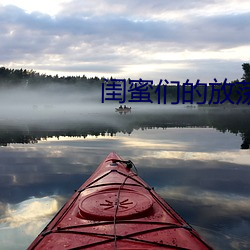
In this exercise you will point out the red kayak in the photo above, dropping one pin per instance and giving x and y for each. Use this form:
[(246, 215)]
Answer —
[(116, 209)]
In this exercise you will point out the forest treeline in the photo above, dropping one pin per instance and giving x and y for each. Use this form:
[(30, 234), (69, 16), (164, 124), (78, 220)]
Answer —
[(30, 78), (235, 92)]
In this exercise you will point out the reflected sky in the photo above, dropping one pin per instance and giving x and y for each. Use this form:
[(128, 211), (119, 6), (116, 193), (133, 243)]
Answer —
[(22, 220), (201, 172)]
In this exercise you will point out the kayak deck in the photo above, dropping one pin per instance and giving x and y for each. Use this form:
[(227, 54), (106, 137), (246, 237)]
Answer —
[(116, 209)]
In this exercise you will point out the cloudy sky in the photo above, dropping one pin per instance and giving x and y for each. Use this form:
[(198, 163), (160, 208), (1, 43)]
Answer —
[(160, 39)]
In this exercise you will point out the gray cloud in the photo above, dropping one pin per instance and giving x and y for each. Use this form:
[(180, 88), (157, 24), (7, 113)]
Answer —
[(141, 8), (218, 30), (116, 37)]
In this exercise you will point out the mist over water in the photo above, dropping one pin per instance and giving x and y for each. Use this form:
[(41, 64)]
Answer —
[(57, 109), (62, 104), (51, 102)]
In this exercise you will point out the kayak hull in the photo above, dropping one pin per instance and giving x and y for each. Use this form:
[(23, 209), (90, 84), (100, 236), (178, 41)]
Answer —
[(116, 209)]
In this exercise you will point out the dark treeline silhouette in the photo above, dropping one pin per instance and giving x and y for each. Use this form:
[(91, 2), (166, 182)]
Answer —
[(31, 78), (238, 92)]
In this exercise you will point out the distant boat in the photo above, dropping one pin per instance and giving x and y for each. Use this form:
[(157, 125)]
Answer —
[(123, 109)]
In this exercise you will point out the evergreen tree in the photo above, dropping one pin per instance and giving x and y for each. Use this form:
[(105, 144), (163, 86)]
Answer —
[(246, 69)]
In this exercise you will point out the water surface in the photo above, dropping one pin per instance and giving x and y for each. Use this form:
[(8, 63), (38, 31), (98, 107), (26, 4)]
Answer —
[(193, 158)]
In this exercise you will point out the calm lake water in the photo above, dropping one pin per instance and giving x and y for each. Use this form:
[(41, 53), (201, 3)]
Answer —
[(197, 159)]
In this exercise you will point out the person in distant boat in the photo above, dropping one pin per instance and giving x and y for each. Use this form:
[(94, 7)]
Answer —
[(125, 106), (120, 107)]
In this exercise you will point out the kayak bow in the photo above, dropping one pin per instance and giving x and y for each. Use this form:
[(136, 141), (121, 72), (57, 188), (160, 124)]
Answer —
[(116, 209)]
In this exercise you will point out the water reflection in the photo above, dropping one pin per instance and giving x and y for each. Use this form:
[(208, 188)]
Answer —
[(104, 121), (21, 221), (200, 171), (31, 210)]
